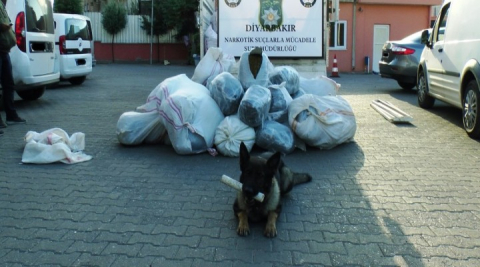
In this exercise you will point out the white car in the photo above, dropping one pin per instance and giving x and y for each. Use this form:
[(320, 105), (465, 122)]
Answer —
[(449, 68), (73, 47), (33, 57)]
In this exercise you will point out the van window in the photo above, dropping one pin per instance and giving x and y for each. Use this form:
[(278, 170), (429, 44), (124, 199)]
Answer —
[(442, 23), (77, 28), (39, 15)]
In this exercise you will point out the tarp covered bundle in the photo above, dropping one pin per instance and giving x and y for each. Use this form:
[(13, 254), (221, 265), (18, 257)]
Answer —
[(272, 107)]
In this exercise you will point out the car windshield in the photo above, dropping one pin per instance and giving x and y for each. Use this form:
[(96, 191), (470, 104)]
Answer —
[(39, 16)]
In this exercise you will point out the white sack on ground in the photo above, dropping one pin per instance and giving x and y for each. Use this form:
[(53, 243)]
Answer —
[(212, 63), (245, 75), (168, 87), (191, 118), (54, 145), (320, 86), (274, 136), (230, 133), (287, 75), (254, 107), (227, 92), (134, 127), (322, 121)]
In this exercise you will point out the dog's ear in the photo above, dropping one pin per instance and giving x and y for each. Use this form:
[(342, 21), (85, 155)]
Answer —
[(244, 156), (273, 163)]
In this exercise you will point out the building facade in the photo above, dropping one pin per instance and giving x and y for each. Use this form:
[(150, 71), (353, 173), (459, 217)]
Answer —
[(357, 38)]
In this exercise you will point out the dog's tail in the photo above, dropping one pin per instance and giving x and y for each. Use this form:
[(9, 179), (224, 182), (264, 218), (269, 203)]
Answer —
[(300, 178)]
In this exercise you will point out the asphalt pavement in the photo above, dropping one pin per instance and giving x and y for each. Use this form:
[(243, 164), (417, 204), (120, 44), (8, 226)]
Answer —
[(398, 195)]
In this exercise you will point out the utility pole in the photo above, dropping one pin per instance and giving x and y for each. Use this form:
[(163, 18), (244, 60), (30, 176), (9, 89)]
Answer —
[(151, 35)]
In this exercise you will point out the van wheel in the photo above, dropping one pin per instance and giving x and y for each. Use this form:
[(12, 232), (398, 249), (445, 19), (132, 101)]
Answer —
[(77, 80), (406, 85), (424, 100), (32, 94), (470, 114)]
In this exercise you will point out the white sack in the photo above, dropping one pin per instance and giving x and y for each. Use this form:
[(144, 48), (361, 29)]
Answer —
[(210, 37), (56, 135), (191, 118), (230, 133), (212, 63), (54, 145), (168, 87), (134, 127), (322, 121), (245, 75), (320, 86)]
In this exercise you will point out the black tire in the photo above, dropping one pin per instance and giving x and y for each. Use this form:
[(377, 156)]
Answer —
[(32, 94), (77, 80), (470, 113), (406, 85), (424, 99)]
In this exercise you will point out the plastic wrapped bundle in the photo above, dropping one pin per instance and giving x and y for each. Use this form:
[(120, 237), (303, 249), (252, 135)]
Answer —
[(254, 107), (286, 74), (320, 86), (227, 91), (274, 136), (322, 121), (230, 133), (279, 104), (298, 94), (134, 127), (280, 97)]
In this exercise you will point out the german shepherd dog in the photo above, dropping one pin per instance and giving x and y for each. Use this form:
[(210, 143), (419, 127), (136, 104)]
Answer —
[(266, 174)]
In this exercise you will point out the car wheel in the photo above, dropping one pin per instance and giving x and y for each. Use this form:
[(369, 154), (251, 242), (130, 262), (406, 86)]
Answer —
[(406, 85), (424, 100), (470, 114), (32, 94), (77, 80)]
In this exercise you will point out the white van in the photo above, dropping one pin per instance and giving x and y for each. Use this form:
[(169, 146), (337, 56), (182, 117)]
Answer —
[(449, 68), (33, 57), (73, 47)]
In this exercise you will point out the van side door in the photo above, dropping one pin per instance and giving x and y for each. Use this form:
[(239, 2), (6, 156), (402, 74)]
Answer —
[(434, 56)]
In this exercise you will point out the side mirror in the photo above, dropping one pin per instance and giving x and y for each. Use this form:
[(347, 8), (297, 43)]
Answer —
[(424, 39)]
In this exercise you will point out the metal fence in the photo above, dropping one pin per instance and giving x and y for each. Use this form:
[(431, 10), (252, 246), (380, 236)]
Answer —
[(132, 34)]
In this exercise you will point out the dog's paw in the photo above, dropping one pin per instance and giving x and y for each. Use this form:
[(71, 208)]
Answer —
[(270, 230), (243, 229)]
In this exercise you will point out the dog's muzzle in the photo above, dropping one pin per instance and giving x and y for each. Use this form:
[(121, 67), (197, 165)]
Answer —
[(249, 194)]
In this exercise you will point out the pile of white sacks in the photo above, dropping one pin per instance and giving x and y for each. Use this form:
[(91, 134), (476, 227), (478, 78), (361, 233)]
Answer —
[(216, 110)]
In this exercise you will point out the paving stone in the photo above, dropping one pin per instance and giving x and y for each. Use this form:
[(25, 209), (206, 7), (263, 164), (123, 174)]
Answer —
[(398, 195)]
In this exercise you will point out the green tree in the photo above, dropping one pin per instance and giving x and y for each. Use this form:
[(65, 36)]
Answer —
[(160, 26), (68, 6), (176, 15), (114, 20)]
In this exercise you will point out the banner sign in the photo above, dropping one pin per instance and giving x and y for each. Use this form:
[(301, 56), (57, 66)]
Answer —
[(282, 28)]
